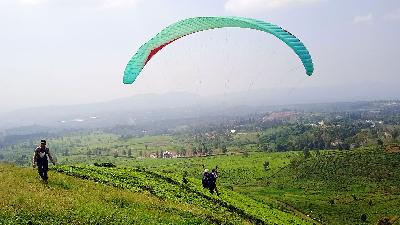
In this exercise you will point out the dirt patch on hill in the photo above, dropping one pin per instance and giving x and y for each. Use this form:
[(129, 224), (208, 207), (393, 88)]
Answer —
[(394, 148)]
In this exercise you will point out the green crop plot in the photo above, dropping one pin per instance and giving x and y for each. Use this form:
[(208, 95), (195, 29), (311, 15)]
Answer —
[(229, 207), (67, 200)]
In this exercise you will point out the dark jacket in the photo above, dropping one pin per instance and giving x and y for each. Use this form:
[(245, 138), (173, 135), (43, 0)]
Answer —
[(40, 156)]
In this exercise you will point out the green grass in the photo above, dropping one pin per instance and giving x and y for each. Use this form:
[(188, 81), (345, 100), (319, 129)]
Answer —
[(334, 188), (229, 207), (78, 147), (233, 170), (123, 196), (68, 200), (339, 187)]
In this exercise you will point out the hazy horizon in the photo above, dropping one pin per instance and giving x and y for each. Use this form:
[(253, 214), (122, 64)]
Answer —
[(57, 52)]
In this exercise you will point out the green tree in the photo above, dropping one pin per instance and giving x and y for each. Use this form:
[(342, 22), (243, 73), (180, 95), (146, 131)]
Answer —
[(306, 153), (395, 134), (66, 152), (380, 143), (224, 148), (183, 151)]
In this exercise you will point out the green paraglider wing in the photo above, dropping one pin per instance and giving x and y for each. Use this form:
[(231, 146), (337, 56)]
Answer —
[(192, 25)]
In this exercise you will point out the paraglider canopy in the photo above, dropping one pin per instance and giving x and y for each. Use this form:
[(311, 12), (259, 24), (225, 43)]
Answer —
[(193, 25)]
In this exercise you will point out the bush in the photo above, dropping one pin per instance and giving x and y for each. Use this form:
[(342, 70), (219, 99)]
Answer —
[(266, 165), (185, 176), (105, 164), (364, 218)]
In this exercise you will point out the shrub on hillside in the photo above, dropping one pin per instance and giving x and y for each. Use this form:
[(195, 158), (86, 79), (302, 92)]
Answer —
[(105, 164)]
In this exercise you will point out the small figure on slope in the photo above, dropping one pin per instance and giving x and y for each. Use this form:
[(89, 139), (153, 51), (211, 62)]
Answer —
[(40, 160)]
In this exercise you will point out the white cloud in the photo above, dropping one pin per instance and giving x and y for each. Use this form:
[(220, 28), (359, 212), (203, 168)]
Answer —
[(394, 15), (363, 19), (107, 4), (251, 6), (31, 2), (97, 4)]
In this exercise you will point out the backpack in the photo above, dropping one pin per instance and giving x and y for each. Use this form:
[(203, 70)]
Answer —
[(212, 178)]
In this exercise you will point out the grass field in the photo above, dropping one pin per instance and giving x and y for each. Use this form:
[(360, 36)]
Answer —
[(333, 188), (68, 200), (233, 206), (81, 147), (123, 196), (339, 187), (360, 186)]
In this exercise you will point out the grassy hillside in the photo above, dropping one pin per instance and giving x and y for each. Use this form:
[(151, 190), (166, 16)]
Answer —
[(128, 196), (338, 187), (236, 169), (68, 200), (84, 147), (227, 208), (331, 187)]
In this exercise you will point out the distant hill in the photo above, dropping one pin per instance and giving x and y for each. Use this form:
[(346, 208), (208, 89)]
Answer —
[(149, 108)]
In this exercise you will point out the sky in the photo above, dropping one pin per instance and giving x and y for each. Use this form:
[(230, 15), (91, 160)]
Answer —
[(62, 52)]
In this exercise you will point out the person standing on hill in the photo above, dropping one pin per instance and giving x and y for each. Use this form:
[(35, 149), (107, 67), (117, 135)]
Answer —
[(204, 180), (209, 180), (40, 160), (213, 181)]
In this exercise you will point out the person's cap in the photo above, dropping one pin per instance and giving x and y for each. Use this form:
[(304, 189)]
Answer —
[(42, 141), (206, 171)]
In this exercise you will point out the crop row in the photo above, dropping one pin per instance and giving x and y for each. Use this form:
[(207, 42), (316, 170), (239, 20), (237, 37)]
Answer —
[(228, 208)]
